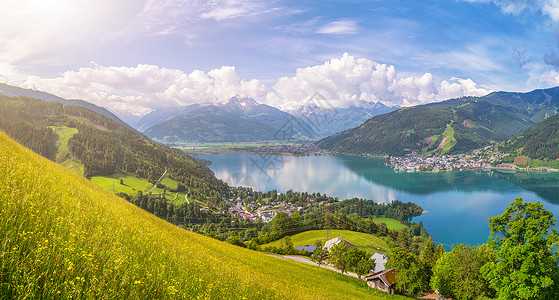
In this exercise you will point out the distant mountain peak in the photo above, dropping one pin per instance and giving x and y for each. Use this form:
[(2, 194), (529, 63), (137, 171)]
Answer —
[(241, 101)]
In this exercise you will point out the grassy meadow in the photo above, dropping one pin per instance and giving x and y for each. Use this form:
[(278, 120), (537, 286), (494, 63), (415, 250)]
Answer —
[(364, 241), (63, 155), (390, 223), (132, 184), (62, 237)]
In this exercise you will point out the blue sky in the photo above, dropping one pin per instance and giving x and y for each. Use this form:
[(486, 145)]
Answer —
[(134, 56)]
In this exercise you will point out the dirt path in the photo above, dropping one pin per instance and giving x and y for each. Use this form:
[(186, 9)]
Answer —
[(158, 180), (309, 262)]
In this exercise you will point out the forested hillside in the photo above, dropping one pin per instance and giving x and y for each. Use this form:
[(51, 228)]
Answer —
[(102, 145), (540, 141), (453, 126)]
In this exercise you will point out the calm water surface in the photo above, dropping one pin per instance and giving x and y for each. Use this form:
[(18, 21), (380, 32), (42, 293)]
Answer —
[(458, 203)]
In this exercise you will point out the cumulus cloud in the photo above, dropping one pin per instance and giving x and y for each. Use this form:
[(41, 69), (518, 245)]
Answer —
[(138, 90), (344, 26), (347, 80), (458, 87), (132, 92)]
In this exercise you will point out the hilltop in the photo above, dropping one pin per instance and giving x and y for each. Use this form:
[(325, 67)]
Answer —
[(14, 91), (452, 126), (64, 237)]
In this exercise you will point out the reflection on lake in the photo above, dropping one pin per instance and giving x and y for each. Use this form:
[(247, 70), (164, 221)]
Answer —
[(458, 203)]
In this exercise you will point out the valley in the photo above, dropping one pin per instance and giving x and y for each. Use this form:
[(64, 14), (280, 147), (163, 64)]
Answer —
[(310, 197), (279, 149)]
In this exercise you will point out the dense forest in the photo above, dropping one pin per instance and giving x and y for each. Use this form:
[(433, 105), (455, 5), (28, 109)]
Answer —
[(540, 141)]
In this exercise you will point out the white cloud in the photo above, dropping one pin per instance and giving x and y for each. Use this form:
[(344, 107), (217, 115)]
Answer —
[(138, 90), (458, 87), (343, 26), (549, 78), (347, 80), (220, 10), (549, 8), (135, 91)]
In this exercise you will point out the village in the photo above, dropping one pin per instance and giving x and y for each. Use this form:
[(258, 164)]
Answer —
[(265, 212), (485, 158)]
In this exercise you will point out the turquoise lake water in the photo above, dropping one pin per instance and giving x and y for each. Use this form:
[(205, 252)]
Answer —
[(458, 203)]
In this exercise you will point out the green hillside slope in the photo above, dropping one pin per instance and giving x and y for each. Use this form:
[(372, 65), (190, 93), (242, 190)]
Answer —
[(540, 141), (453, 126), (364, 241), (62, 237), (92, 144)]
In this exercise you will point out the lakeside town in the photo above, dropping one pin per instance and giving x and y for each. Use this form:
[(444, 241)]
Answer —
[(484, 158)]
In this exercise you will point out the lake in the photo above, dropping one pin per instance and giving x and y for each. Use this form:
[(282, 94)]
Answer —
[(458, 203)]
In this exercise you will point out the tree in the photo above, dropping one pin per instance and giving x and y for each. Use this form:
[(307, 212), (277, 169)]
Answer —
[(412, 274), (287, 246), (344, 258), (320, 254), (457, 274), (428, 254), (356, 261), (364, 265), (336, 256), (280, 224), (235, 240), (526, 267)]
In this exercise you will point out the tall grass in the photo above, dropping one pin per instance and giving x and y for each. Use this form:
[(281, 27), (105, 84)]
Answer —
[(63, 237)]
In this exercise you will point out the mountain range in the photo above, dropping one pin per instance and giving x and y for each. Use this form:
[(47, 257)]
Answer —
[(245, 120), (452, 126), (237, 120), (326, 120)]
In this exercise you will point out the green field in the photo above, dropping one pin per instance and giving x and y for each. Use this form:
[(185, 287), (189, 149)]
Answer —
[(63, 237), (364, 241), (390, 223), (63, 155), (131, 184)]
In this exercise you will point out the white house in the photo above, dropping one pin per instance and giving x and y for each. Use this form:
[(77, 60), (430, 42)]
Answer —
[(331, 243), (380, 261)]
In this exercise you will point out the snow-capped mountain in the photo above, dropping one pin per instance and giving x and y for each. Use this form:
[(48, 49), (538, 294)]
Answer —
[(327, 120)]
